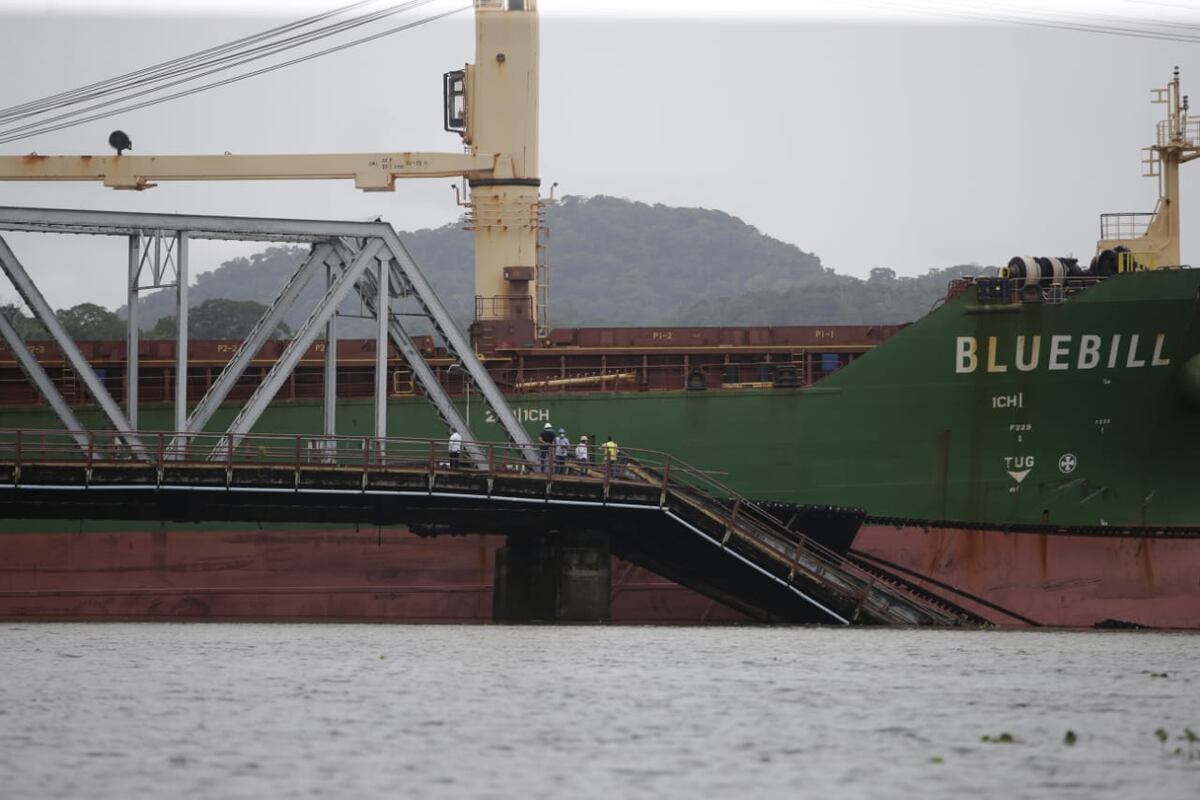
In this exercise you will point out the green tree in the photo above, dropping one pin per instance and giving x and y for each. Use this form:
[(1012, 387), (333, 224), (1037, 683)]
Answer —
[(26, 327), (217, 318), (90, 321), (614, 262), (228, 319), (163, 329)]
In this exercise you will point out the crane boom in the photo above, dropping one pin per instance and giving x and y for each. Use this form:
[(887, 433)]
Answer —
[(491, 104), (370, 171)]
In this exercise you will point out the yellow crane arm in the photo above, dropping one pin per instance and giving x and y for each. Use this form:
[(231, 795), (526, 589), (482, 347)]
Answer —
[(372, 172)]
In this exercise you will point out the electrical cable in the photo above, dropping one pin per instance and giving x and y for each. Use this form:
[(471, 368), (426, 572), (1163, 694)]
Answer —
[(273, 41), (220, 65), (10, 136), (63, 97), (983, 12)]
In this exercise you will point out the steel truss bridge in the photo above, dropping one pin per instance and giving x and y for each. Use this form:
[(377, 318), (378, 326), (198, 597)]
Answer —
[(365, 259), (660, 513), (656, 511)]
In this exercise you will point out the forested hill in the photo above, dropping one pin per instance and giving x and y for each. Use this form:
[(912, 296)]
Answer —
[(616, 261)]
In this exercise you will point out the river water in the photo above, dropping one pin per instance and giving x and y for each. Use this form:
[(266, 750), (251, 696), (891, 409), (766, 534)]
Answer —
[(218, 710)]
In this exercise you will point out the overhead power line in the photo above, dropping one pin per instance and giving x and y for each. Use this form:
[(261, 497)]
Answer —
[(62, 98), (202, 64), (1175, 30), (203, 69)]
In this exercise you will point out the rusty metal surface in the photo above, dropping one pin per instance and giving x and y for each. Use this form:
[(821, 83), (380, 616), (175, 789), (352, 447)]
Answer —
[(1054, 580), (668, 338), (584, 360), (327, 574)]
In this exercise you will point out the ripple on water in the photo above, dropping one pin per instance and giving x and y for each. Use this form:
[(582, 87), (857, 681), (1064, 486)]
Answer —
[(361, 710)]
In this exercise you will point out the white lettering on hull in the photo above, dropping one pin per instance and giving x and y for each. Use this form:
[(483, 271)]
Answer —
[(1018, 462), (1130, 360), (1065, 352), (1089, 351), (1023, 364), (1009, 400), (1157, 359), (991, 351), (967, 359), (522, 415)]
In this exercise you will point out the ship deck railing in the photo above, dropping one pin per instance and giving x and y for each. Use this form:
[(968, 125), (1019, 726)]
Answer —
[(694, 497), (1124, 224)]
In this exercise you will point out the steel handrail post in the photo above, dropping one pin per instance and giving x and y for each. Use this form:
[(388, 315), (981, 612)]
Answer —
[(666, 481), (491, 459), (91, 454), (737, 505), (18, 449)]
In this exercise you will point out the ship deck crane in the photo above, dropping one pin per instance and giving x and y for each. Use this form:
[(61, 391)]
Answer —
[(492, 104)]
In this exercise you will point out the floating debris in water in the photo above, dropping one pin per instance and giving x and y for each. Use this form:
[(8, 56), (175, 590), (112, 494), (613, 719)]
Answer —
[(1003, 738)]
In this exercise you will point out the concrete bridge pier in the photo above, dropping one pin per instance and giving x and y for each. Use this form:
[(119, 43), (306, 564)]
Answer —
[(553, 577)]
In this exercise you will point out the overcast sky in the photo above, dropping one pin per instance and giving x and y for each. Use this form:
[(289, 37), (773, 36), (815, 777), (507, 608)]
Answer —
[(908, 135)]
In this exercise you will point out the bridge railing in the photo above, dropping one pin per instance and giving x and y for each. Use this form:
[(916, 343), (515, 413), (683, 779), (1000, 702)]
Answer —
[(301, 452), (295, 451), (748, 516)]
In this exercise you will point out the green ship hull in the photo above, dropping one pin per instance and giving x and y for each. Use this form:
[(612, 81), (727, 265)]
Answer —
[(1072, 413)]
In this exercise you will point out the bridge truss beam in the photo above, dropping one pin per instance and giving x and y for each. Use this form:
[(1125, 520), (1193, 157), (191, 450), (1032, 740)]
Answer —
[(33, 370), (45, 315), (368, 258)]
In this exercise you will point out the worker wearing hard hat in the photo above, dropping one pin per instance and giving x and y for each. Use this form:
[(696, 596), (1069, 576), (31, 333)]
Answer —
[(581, 455), (547, 438), (611, 451), (562, 446)]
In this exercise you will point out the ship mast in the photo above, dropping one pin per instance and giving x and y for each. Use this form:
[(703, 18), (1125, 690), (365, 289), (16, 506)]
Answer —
[(1152, 240), (492, 104)]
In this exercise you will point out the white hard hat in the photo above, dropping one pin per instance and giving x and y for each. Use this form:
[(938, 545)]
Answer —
[(547, 425)]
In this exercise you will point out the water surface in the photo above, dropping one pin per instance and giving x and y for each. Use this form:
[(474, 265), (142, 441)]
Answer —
[(223, 710)]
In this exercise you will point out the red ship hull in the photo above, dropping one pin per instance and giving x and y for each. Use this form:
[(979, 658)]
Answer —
[(368, 575), (304, 575), (1050, 579)]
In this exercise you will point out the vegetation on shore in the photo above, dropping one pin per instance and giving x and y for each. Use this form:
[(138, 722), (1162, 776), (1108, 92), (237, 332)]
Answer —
[(614, 262)]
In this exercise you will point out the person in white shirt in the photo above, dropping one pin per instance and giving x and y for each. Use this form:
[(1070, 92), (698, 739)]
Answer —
[(455, 448), (562, 446), (581, 455)]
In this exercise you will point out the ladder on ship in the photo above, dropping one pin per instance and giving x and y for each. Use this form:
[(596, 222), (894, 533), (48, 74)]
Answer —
[(542, 280)]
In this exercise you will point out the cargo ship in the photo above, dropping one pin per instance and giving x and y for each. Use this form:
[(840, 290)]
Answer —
[(1022, 450)]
